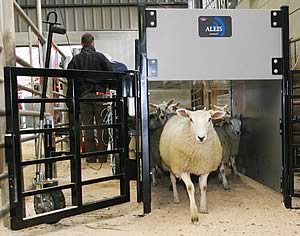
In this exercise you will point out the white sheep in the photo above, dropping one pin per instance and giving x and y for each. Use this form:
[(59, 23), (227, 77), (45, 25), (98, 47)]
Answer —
[(189, 144)]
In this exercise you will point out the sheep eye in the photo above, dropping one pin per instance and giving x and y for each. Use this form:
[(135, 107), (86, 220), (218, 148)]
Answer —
[(209, 119), (191, 120)]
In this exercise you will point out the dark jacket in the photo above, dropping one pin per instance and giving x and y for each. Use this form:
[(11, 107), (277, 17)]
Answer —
[(119, 66), (89, 59)]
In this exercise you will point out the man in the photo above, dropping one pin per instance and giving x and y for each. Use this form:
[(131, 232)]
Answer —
[(90, 59)]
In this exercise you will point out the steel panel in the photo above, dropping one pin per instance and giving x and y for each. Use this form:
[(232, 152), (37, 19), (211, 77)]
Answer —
[(183, 55), (260, 153)]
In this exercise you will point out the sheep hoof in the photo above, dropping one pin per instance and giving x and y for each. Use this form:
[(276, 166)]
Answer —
[(226, 187), (194, 219), (176, 200), (203, 211)]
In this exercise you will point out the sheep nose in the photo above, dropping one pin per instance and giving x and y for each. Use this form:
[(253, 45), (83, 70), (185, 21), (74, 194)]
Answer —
[(201, 138)]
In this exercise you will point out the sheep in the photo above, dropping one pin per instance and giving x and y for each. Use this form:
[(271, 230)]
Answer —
[(229, 132), (160, 109), (157, 119), (188, 145)]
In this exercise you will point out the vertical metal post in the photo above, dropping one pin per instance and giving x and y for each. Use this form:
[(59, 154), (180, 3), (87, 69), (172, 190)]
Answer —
[(75, 130), (9, 41), (124, 157), (48, 150), (287, 112), (3, 166), (144, 112), (17, 203), (40, 28)]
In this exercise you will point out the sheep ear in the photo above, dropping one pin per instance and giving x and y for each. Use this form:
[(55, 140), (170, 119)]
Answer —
[(152, 105), (183, 112), (170, 102), (237, 116), (217, 115), (177, 104)]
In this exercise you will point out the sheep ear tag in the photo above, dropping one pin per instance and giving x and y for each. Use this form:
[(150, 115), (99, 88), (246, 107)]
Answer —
[(217, 115)]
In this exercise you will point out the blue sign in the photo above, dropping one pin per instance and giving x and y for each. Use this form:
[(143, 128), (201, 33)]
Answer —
[(215, 26)]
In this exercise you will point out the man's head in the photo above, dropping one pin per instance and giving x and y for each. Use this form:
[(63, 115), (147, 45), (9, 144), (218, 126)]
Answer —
[(87, 39)]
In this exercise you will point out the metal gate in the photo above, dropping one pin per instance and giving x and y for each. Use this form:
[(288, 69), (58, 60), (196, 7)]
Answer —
[(291, 157), (125, 86)]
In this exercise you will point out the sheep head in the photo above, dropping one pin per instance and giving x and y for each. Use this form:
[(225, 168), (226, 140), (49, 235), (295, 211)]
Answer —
[(235, 125), (200, 121)]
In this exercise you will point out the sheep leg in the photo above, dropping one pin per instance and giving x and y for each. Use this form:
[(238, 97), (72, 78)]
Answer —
[(223, 176), (191, 191), (154, 182), (175, 192), (233, 165), (203, 188)]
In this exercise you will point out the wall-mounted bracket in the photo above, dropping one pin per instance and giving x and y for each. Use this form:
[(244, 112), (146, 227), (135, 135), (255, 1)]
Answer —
[(277, 66), (276, 19), (151, 18), (152, 67)]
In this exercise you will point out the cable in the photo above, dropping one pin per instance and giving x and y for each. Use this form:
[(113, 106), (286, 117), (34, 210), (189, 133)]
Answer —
[(93, 168), (294, 11)]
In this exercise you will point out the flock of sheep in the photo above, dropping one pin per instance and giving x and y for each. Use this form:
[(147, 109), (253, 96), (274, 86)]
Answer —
[(185, 142)]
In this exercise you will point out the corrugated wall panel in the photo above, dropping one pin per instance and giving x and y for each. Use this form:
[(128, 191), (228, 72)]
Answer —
[(87, 17)]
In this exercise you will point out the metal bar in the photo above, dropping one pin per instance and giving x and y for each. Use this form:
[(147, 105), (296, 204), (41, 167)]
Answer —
[(61, 124), (76, 164), (30, 46), (61, 139), (64, 81), (44, 190), (62, 109), (179, 4), (87, 127), (38, 131), (294, 40), (66, 212), (98, 153), (23, 139), (23, 15), (286, 112), (19, 10), (30, 113), (295, 52), (144, 112), (22, 62), (59, 94), (102, 179), (22, 87), (95, 99), (94, 76), (47, 160), (125, 187), (38, 100)]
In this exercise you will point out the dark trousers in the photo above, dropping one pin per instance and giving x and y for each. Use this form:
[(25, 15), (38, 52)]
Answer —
[(90, 115)]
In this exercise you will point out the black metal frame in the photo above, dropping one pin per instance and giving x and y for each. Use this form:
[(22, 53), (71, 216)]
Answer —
[(13, 143), (287, 123)]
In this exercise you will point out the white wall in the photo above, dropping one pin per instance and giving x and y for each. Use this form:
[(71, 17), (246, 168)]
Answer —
[(276, 4)]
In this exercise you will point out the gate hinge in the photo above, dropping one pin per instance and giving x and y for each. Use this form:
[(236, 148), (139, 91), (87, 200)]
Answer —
[(276, 19), (277, 64), (152, 67), (151, 18)]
